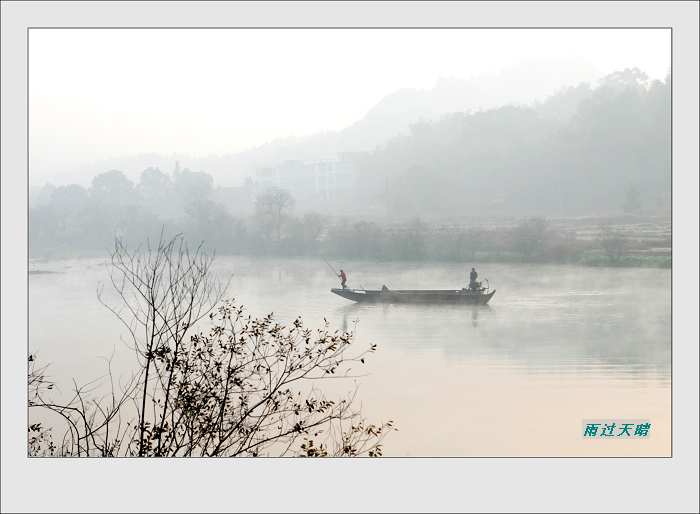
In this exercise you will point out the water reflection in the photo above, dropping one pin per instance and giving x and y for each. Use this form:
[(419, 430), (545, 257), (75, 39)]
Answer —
[(475, 314), (553, 344), (553, 336), (541, 318)]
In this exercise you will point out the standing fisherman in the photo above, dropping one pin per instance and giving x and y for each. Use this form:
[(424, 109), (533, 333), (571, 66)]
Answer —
[(343, 277), (473, 284)]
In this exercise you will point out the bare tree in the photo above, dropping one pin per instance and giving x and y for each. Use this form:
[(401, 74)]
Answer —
[(272, 209), (314, 222), (40, 442), (94, 424), (165, 291), (529, 237), (613, 242), (235, 392), (243, 386)]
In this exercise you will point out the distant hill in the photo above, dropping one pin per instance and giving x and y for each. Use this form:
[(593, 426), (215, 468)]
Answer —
[(523, 83)]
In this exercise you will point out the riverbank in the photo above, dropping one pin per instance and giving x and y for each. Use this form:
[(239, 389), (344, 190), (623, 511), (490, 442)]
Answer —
[(629, 241)]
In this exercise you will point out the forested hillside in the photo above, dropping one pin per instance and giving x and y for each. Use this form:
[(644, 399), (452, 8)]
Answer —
[(588, 152), (583, 150)]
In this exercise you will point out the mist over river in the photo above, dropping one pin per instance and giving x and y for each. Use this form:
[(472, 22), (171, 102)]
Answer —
[(555, 346)]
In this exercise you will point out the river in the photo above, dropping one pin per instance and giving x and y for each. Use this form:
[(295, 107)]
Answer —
[(517, 377)]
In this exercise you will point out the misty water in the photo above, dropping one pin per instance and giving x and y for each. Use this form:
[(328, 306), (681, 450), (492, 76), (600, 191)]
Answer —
[(555, 346)]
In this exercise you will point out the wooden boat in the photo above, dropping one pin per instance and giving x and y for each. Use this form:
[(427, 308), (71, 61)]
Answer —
[(478, 297)]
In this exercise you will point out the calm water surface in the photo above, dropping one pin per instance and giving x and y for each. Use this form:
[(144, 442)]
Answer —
[(513, 378)]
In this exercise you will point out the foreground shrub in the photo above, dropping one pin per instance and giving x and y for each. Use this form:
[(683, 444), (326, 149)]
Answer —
[(242, 387)]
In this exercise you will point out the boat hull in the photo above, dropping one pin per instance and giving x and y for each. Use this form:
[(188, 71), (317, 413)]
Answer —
[(414, 296)]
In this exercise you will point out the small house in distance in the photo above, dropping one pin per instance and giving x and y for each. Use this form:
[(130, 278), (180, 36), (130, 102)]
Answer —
[(310, 180)]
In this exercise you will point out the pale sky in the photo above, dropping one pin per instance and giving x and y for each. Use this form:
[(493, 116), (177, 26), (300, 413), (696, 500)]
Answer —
[(101, 93)]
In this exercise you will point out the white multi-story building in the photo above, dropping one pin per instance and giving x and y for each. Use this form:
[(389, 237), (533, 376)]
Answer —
[(314, 179)]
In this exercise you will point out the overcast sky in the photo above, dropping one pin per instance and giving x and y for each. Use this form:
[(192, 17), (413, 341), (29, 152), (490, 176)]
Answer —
[(101, 93)]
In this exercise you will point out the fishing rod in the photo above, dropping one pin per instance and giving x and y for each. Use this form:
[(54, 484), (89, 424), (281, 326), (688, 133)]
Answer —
[(330, 266)]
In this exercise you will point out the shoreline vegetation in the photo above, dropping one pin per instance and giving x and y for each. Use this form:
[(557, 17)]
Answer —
[(630, 241), (591, 261)]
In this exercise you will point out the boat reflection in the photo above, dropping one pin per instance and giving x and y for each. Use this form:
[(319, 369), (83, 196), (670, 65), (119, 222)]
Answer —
[(537, 343)]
